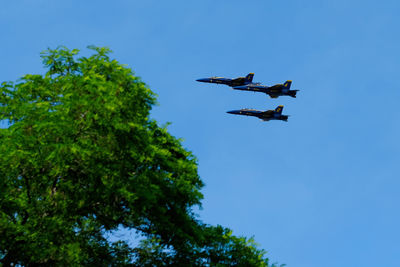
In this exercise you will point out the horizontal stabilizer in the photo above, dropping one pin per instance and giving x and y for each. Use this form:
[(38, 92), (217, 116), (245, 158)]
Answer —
[(293, 93), (284, 117)]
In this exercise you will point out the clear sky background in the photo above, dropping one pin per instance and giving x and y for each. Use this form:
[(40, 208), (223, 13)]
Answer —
[(319, 190)]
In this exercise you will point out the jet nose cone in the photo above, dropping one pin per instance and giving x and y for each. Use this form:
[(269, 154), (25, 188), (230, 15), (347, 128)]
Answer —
[(233, 112), (203, 80)]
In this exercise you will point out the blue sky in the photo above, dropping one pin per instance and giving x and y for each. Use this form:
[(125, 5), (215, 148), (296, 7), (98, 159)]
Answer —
[(319, 190)]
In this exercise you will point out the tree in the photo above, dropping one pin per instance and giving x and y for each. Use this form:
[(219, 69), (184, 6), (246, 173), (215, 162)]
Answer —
[(81, 157)]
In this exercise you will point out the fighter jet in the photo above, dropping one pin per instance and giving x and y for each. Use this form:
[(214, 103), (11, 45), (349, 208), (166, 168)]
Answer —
[(273, 91), (230, 82), (263, 115)]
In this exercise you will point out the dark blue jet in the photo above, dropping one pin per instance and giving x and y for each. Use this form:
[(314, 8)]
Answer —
[(263, 115), (230, 82), (273, 91)]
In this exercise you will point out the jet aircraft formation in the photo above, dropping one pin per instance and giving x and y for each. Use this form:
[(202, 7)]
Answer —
[(246, 84)]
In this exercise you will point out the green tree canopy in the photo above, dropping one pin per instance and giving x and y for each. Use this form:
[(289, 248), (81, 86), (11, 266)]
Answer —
[(81, 157)]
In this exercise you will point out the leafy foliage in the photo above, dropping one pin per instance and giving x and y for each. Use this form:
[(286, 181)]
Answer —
[(81, 157)]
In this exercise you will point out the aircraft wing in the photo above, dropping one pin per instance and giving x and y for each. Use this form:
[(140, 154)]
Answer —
[(273, 96), (269, 112)]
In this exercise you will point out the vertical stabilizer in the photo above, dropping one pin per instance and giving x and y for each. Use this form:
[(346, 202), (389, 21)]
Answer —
[(249, 78), (287, 84), (279, 109)]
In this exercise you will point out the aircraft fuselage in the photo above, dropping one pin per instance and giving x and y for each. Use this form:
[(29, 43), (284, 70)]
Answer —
[(273, 91), (263, 115), (230, 82)]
